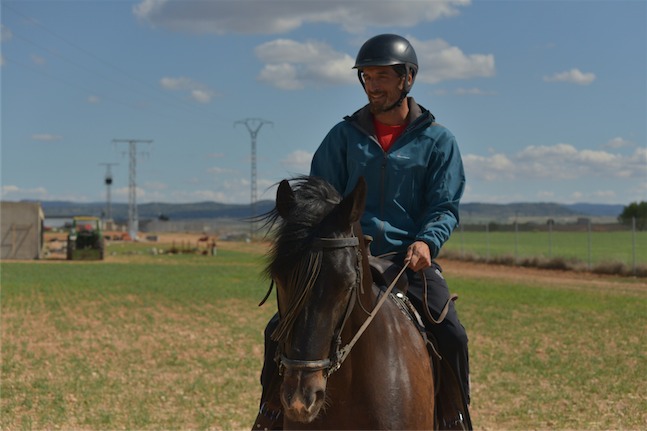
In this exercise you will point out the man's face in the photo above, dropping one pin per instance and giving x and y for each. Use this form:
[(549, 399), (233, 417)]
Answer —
[(383, 87)]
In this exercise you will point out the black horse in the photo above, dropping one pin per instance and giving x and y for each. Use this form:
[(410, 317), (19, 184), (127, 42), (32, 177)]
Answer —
[(350, 358)]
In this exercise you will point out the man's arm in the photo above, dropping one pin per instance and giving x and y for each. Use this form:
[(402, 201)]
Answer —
[(445, 185)]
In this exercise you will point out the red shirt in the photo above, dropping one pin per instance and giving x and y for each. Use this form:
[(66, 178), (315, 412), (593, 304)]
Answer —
[(386, 135)]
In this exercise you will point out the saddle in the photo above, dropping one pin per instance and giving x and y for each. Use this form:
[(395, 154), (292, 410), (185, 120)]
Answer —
[(385, 272)]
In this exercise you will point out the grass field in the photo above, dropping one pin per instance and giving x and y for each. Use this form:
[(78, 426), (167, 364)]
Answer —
[(588, 249), (175, 342)]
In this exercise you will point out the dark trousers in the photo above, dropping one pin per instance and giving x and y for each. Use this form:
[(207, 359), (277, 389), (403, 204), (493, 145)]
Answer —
[(450, 334)]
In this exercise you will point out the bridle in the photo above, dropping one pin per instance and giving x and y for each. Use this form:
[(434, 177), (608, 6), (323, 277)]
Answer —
[(339, 354)]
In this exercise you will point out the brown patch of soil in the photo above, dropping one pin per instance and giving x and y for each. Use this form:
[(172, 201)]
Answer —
[(543, 277)]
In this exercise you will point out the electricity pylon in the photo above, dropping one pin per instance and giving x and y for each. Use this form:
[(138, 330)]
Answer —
[(133, 216), (253, 127)]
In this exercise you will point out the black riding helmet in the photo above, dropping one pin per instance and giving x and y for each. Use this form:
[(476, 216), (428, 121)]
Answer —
[(388, 50)]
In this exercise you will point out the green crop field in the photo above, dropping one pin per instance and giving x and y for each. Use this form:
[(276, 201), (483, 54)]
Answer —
[(144, 341), (592, 249)]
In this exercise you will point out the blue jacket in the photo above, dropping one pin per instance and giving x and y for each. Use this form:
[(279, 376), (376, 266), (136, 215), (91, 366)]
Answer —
[(413, 189)]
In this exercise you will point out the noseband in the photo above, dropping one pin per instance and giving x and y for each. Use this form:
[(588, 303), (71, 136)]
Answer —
[(333, 363)]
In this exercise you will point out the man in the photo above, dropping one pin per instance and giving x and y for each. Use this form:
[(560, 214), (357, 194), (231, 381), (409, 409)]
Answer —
[(415, 180)]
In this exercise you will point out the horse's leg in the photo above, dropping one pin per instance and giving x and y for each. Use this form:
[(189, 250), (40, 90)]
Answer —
[(270, 413)]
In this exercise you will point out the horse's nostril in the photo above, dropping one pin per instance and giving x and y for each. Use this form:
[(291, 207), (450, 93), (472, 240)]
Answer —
[(320, 396)]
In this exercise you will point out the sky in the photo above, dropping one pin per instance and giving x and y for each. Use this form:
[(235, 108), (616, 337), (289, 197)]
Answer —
[(547, 99)]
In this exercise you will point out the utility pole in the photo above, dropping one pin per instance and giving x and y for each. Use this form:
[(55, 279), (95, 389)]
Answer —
[(108, 182), (253, 127), (133, 217)]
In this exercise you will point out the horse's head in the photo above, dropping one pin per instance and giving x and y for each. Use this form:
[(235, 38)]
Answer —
[(317, 266)]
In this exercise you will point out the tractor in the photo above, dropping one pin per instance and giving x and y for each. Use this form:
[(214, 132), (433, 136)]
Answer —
[(85, 239)]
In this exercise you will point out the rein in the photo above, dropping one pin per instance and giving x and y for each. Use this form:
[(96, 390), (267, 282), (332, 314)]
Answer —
[(343, 353), (340, 354)]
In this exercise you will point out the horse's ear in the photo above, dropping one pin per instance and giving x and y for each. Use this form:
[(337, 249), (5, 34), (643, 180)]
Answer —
[(284, 199), (351, 208)]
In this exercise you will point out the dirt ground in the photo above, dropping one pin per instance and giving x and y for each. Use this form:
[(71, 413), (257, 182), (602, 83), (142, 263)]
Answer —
[(545, 277)]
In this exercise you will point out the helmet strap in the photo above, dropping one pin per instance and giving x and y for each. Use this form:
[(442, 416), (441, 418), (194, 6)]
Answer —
[(361, 80)]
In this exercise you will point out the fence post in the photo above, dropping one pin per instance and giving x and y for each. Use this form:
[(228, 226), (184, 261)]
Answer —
[(462, 229), (516, 241), (487, 241), (550, 223), (633, 245), (590, 246)]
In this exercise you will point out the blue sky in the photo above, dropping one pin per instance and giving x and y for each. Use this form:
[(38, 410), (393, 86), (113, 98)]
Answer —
[(548, 99)]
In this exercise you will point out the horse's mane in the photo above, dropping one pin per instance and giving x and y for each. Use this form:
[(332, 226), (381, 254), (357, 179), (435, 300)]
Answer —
[(314, 198), (291, 256)]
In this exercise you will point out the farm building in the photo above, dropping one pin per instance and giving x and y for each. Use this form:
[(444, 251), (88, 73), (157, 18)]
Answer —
[(21, 230)]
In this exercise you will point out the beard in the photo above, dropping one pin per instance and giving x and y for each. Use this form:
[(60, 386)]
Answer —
[(380, 103)]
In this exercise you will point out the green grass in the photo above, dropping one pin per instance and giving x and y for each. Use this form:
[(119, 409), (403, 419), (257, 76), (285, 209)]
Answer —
[(555, 358), (603, 246), (166, 342), (175, 342)]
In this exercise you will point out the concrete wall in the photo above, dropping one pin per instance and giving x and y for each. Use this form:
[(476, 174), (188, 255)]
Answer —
[(21, 230)]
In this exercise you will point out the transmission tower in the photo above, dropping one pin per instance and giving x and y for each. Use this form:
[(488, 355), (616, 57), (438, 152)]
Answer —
[(133, 217), (253, 127), (108, 182)]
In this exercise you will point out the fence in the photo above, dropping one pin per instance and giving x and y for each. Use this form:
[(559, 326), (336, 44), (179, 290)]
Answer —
[(582, 243)]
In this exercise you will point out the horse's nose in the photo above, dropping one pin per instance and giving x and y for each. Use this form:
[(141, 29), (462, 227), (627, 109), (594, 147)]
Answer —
[(313, 398), (303, 395)]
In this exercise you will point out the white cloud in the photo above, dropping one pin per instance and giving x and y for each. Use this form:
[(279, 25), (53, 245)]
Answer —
[(93, 99), (216, 170), (155, 185), (46, 137), (283, 16), (473, 92), (556, 162), (573, 76), (291, 65), (196, 90), (11, 191), (618, 142), (38, 60), (439, 61), (298, 162), (546, 195), (5, 34)]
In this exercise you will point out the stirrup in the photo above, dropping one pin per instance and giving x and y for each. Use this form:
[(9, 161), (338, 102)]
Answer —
[(457, 423)]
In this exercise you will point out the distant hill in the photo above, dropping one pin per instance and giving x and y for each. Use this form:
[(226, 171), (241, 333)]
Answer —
[(599, 210), (507, 211), (190, 211), (215, 210)]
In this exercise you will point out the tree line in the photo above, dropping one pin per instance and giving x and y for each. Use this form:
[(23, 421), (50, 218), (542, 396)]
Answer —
[(635, 211)]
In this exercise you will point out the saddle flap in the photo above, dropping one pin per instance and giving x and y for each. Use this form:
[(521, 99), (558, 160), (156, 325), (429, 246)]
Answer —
[(384, 272)]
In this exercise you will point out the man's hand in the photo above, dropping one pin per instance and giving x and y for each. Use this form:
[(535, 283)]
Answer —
[(419, 256)]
